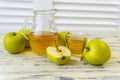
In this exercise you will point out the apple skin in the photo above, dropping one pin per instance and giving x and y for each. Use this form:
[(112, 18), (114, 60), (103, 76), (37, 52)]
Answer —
[(62, 38), (96, 52), (60, 58), (27, 33), (14, 43)]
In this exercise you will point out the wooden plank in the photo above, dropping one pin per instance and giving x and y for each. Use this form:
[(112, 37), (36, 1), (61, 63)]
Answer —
[(28, 66)]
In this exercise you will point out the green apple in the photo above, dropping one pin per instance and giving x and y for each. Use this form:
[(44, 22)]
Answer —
[(96, 52), (13, 42), (58, 57), (62, 38), (27, 33)]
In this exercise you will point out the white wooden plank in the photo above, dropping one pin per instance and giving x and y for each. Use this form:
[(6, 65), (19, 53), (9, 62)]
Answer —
[(82, 14), (16, 12), (11, 4), (79, 27), (33, 67), (20, 0), (88, 10), (12, 19), (105, 2), (86, 7), (10, 27), (85, 21)]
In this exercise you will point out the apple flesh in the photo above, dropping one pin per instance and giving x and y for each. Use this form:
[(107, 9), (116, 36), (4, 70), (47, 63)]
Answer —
[(13, 42), (96, 52), (58, 57)]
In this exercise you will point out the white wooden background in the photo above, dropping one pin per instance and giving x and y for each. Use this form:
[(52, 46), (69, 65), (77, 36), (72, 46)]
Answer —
[(12, 14), (71, 14)]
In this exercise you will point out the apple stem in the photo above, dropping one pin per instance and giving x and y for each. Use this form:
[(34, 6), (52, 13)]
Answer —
[(56, 45), (87, 48), (58, 49), (14, 34)]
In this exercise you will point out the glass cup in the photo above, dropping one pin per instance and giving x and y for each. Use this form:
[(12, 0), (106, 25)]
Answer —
[(76, 42)]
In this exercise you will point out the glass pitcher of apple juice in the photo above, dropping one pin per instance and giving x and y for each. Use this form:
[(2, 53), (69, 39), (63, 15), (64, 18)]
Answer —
[(43, 31)]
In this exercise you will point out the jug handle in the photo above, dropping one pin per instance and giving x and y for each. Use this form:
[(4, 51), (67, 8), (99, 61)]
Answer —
[(24, 27)]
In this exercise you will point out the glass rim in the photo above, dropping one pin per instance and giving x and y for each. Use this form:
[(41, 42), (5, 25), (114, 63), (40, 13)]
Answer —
[(77, 34)]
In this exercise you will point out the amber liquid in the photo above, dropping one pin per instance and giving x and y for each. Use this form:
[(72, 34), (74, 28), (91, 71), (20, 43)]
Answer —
[(76, 45), (39, 41)]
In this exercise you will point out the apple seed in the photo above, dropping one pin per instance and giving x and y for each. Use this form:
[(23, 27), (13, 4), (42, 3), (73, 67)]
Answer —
[(63, 57)]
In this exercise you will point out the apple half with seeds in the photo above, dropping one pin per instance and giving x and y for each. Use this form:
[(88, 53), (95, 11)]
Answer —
[(60, 56)]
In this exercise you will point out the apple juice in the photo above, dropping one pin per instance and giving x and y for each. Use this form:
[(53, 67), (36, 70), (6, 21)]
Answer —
[(39, 41), (76, 45)]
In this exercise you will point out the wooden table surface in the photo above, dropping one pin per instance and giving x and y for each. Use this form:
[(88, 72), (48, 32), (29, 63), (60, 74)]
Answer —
[(25, 66)]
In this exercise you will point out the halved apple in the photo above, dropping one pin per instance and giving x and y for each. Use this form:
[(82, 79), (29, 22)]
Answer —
[(59, 57)]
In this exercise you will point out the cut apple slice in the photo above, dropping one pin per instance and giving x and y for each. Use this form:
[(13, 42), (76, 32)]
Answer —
[(59, 57)]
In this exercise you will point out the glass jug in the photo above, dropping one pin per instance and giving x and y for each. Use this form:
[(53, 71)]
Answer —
[(43, 31)]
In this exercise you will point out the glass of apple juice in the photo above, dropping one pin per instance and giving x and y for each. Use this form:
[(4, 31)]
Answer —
[(76, 42)]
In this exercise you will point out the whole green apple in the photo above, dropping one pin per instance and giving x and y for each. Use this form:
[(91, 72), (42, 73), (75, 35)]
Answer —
[(62, 38), (59, 57), (13, 42), (96, 52), (27, 33)]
